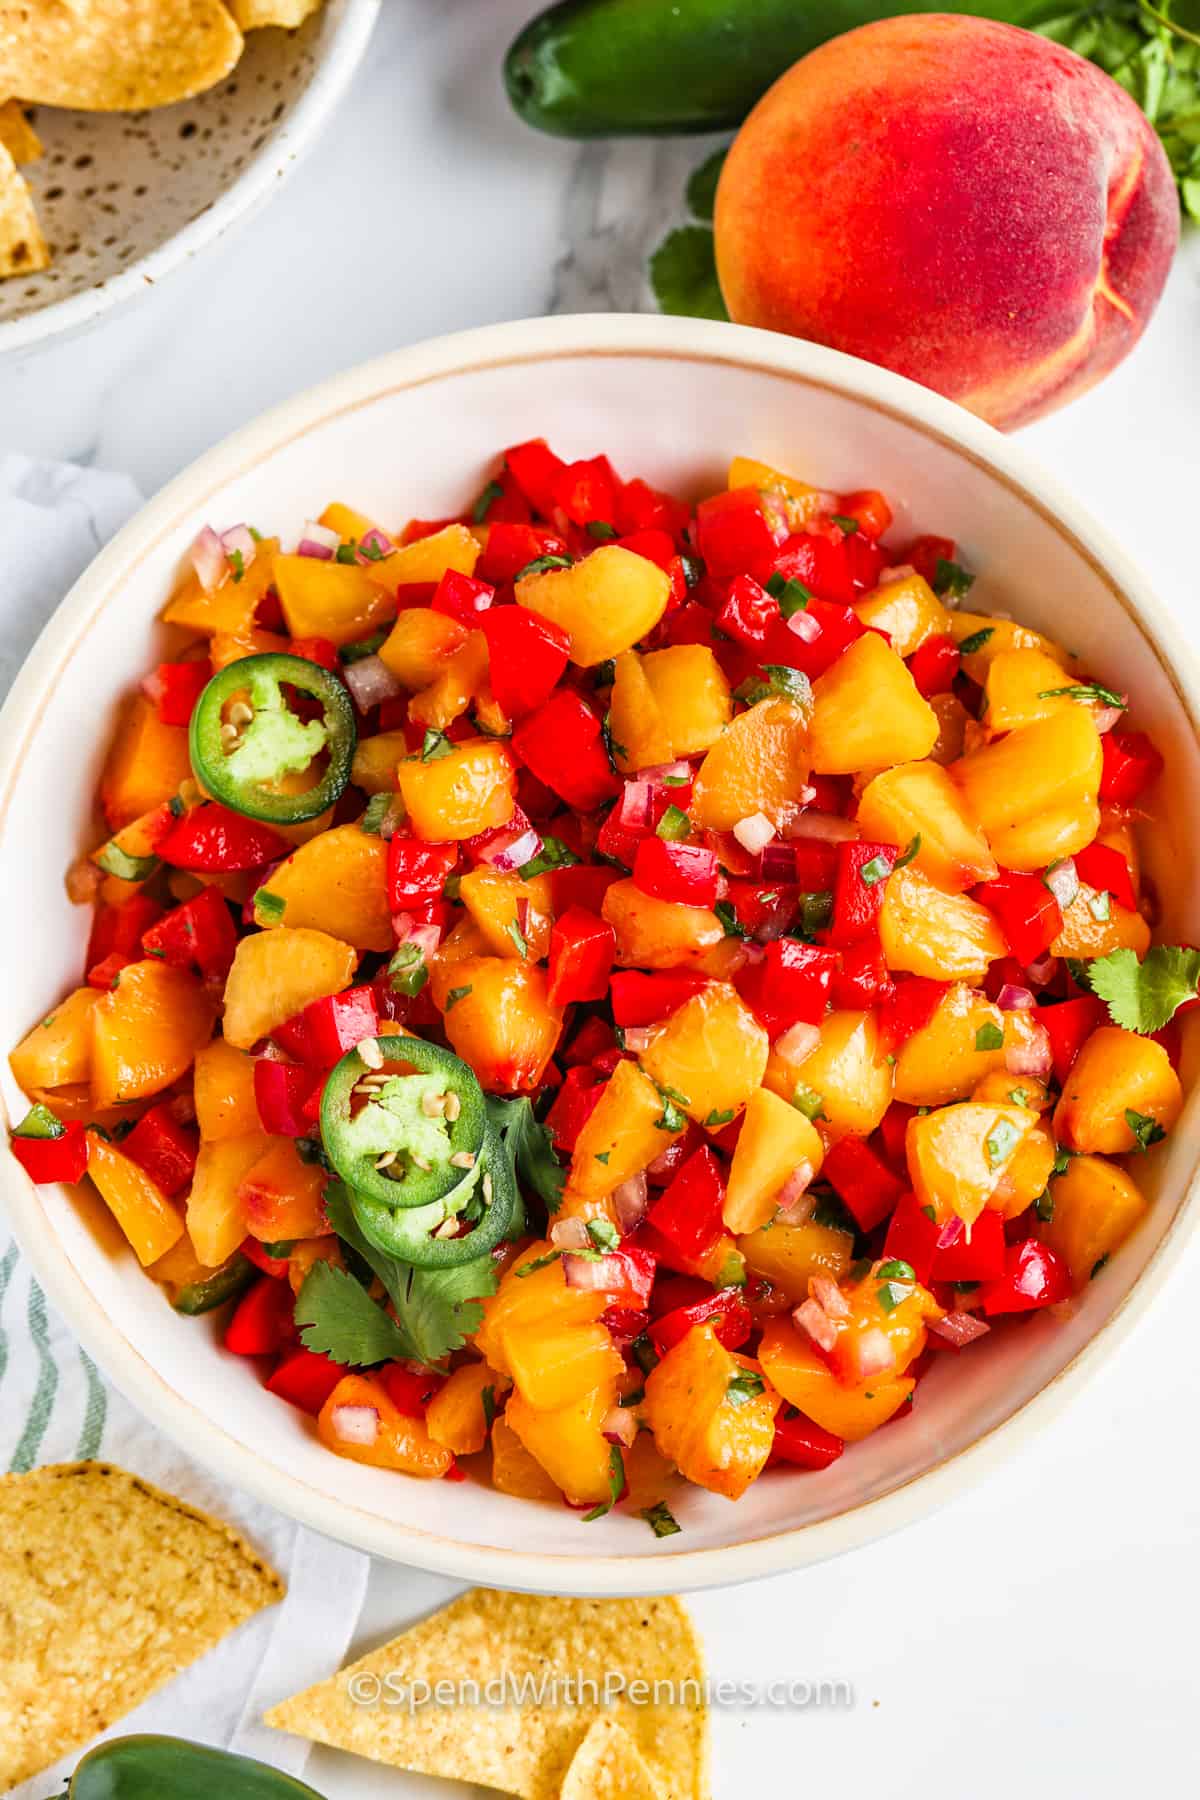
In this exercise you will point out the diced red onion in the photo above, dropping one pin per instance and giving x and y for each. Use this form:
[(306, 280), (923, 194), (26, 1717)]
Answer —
[(796, 1186), (570, 1234), (1105, 717), (639, 1038), (828, 1296), (239, 541), (370, 681), (754, 832), (826, 828), (593, 1276), (1042, 972), (637, 798), (959, 1328), (798, 1212), (318, 541), (376, 541), (797, 1043), (1012, 998), (875, 1355), (950, 1233), (355, 1424), (83, 882), (208, 559), (619, 1425), (1033, 1058), (753, 952), (630, 1200), (778, 862), (804, 626), (659, 773), (410, 930), (1063, 881), (812, 1318), (508, 852), (894, 572)]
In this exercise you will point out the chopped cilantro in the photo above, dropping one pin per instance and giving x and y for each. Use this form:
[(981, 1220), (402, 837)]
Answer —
[(377, 811), (237, 563), (671, 1118), (347, 552), (603, 1233), (434, 745), (602, 1156), (660, 1519), (363, 647), (455, 995), (1001, 1141), (531, 1148), (731, 925), (338, 1318), (601, 529), (1043, 1206), (519, 939), (720, 1118), (493, 491), (808, 1101), (616, 1485), (553, 854), (951, 580), (540, 564), (407, 973), (746, 1385), (989, 1037), (269, 907), (1145, 1129), (848, 525), (1088, 693), (976, 641)]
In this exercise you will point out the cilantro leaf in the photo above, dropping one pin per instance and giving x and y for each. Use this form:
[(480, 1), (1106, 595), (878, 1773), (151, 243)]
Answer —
[(554, 854), (616, 1485), (746, 1385), (683, 274), (660, 1519), (976, 641), (1144, 996), (731, 925), (531, 1147), (1145, 1129), (482, 507), (951, 580), (337, 1316), (1088, 693)]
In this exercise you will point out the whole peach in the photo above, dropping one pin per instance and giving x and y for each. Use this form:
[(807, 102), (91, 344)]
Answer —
[(964, 202)]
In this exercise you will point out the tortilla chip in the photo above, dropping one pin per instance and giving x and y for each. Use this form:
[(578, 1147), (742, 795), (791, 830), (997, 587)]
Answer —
[(17, 134), (608, 1766), (250, 14), (23, 249), (562, 1657), (114, 55), (108, 1588)]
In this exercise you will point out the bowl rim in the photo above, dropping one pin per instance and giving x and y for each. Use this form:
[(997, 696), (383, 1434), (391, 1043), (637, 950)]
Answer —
[(349, 28), (464, 353)]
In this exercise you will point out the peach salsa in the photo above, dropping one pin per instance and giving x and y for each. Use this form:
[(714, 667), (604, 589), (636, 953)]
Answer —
[(624, 984)]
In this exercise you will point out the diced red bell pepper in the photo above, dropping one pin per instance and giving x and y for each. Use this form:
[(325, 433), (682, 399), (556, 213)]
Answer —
[(1034, 1276), (820, 563), (628, 1276), (214, 840), (830, 629), (564, 746), (735, 536), (583, 885), (198, 934), (280, 1093), (749, 615), (862, 981), (858, 902), (319, 650), (463, 598), (417, 872), (274, 1266), (61, 1158), (586, 491), (117, 930), (595, 1037), (1131, 763), (789, 986), (914, 1000), (264, 1321), (802, 1444), (725, 1311), (1026, 912), (893, 1132), (869, 508), (623, 1324), (934, 664), (688, 1212), (912, 1236), (574, 1104), (325, 1029), (655, 546), (639, 999), (687, 873), (511, 547), (620, 842), (164, 1148), (925, 553), (863, 1180), (641, 507), (175, 688), (1068, 1024), (1105, 869), (816, 865), (690, 623), (104, 975), (501, 500), (306, 1378), (979, 1256), (865, 560), (764, 912), (410, 1390), (582, 948), (536, 470)]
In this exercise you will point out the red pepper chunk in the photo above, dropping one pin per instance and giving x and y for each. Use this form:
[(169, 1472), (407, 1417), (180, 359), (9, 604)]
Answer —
[(686, 873), (819, 563), (913, 1002), (281, 1091), (586, 491), (925, 553), (1034, 1276), (1131, 763), (1068, 1025), (626, 1278), (868, 508), (1106, 870), (863, 980), (574, 1105), (410, 1390), (859, 884), (655, 546), (639, 999), (164, 1148), (581, 885), (789, 986), (725, 1311), (912, 1237), (1026, 912), (863, 1180), (264, 1320), (536, 470), (175, 688), (306, 1378), (830, 628), (735, 537), (688, 1212), (325, 1029), (510, 547), (199, 934), (214, 840), (564, 746), (275, 1266), (61, 1158), (641, 507), (749, 614), (319, 650), (802, 1444), (117, 931), (934, 664), (417, 872), (582, 948), (977, 1257), (463, 598)]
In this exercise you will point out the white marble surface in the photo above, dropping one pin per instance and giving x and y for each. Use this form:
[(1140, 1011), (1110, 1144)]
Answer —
[(1039, 1635)]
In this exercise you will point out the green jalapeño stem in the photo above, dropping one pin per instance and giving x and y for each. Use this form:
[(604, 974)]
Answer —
[(245, 738)]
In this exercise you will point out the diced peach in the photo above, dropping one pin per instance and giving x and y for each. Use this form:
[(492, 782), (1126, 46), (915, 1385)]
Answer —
[(950, 1057), (946, 937), (1026, 1173), (458, 795), (149, 1221), (606, 603), (999, 636), (347, 521), (691, 694), (336, 883), (710, 1056), (282, 1197), (58, 1051), (427, 559), (712, 1413), (514, 1471), (146, 1031), (1086, 935), (803, 1378), (920, 800), (880, 1315), (329, 599), (639, 731), (528, 1297), (1095, 1207), (1014, 1090), (759, 764), (305, 1252), (907, 609), (457, 1416), (401, 1441), (223, 1090), (1116, 1074), (556, 1364), (959, 1155), (622, 1136), (1035, 791), (216, 1218), (568, 1442), (420, 644), (788, 1256), (505, 909), (658, 934), (801, 503), (146, 763), (461, 677), (1023, 687), (776, 1141), (275, 974), (498, 1018), (225, 647), (231, 606), (649, 1476), (377, 760), (847, 1080), (867, 712)]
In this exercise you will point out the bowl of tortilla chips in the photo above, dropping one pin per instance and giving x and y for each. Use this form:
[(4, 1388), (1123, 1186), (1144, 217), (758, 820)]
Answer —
[(134, 132)]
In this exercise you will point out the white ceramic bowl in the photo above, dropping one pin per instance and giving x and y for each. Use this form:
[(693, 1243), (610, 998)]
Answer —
[(126, 198), (413, 434)]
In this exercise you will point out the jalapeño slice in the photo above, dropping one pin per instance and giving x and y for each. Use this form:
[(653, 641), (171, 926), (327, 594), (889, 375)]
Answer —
[(490, 1209), (410, 1140), (241, 759)]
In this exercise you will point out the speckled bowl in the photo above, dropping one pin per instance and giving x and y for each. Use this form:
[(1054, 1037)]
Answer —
[(125, 198)]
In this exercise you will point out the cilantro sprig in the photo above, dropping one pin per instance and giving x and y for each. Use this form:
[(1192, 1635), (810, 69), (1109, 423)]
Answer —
[(1144, 996)]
